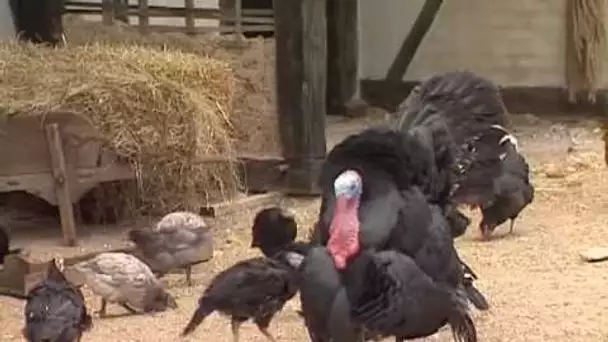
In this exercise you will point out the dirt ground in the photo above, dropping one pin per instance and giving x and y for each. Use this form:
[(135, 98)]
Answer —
[(538, 287)]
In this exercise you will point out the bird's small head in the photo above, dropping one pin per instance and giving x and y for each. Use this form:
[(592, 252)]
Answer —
[(162, 301), (344, 229), (272, 229)]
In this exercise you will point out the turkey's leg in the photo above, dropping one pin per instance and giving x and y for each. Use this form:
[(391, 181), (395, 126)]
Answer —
[(236, 325)]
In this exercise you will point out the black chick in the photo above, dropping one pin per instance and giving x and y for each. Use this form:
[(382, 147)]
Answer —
[(256, 289), (391, 296), (55, 310), (5, 245), (512, 191), (275, 230)]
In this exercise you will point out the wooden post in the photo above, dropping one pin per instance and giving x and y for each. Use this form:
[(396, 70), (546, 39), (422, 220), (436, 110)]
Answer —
[(238, 24), (107, 12), (300, 33), (62, 187), (144, 18), (342, 54), (226, 10), (190, 23), (121, 10)]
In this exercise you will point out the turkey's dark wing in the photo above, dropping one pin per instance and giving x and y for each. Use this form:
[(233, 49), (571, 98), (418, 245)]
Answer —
[(396, 298)]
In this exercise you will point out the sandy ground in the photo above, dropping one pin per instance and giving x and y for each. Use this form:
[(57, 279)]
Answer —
[(538, 287)]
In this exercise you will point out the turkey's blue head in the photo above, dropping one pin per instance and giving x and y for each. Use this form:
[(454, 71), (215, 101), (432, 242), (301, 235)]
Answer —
[(344, 229)]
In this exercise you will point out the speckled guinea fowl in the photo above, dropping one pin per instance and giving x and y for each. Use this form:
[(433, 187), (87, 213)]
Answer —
[(123, 279), (55, 310), (256, 289), (175, 242)]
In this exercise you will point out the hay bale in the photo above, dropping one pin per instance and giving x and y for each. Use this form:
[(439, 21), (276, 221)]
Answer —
[(161, 111), (254, 115)]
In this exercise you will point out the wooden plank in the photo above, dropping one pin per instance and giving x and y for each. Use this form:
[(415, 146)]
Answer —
[(144, 16), (62, 184), (223, 5), (180, 13), (411, 43), (243, 204), (190, 23), (29, 152), (107, 12), (263, 174), (40, 183), (300, 34), (202, 30), (163, 11), (342, 55), (12, 276)]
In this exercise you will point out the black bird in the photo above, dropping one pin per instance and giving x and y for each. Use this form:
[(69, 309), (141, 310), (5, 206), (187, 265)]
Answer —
[(275, 230), (472, 110), (396, 198), (382, 190), (55, 310), (511, 193), (39, 22), (256, 289)]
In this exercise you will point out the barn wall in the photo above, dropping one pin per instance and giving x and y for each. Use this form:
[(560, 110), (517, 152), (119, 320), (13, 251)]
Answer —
[(515, 43), (7, 28)]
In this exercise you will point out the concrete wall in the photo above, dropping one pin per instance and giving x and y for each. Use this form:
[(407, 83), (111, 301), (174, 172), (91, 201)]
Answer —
[(515, 43), (7, 28)]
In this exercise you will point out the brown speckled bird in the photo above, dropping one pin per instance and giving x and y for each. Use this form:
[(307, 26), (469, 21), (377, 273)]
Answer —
[(175, 242), (123, 279)]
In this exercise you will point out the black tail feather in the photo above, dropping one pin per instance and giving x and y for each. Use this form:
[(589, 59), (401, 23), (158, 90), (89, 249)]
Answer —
[(202, 311), (468, 271), (463, 328), (476, 297)]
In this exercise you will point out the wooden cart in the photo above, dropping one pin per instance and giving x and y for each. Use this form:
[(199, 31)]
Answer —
[(58, 157)]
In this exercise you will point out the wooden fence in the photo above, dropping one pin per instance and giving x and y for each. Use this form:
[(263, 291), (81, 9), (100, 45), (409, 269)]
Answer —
[(238, 21)]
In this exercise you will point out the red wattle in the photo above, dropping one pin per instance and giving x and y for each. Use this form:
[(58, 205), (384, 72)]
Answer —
[(344, 232)]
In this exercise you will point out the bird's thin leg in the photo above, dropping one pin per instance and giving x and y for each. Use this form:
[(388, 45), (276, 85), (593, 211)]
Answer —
[(189, 275), (102, 309), (235, 324), (511, 226), (264, 331), (128, 308), (263, 323)]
